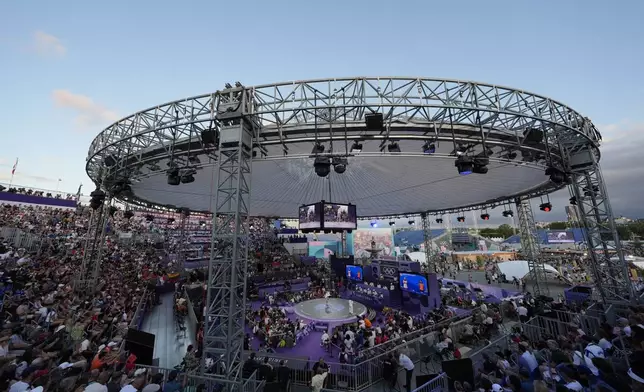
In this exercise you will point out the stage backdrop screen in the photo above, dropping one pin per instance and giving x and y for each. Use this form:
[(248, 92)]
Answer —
[(560, 237), (311, 216), (413, 283), (354, 272), (340, 216)]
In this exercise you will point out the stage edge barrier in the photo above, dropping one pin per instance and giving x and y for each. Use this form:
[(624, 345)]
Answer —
[(437, 384), (212, 383), (363, 375)]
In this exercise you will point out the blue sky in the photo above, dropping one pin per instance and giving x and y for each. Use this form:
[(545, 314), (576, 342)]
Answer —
[(71, 67)]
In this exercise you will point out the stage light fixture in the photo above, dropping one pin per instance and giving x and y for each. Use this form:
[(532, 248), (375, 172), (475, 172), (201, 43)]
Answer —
[(187, 178), (507, 213), (480, 165), (512, 155), (339, 164), (112, 210), (97, 199), (356, 148), (573, 201), (464, 165), (170, 221), (128, 214), (374, 224), (411, 223), (173, 177), (439, 220), (202, 223), (393, 147), (318, 148), (485, 216), (460, 219), (556, 176), (429, 148), (546, 207), (322, 166), (532, 136), (149, 218), (392, 223)]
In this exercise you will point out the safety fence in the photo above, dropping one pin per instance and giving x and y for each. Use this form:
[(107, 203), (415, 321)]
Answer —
[(499, 344), (210, 382), (367, 371), (20, 239), (437, 384)]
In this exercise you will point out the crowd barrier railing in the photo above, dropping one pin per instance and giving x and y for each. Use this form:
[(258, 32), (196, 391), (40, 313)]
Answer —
[(20, 239), (367, 371), (500, 343), (589, 323), (211, 382), (437, 384)]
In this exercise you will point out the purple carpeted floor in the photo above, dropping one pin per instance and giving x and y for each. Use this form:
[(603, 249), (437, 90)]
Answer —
[(309, 346)]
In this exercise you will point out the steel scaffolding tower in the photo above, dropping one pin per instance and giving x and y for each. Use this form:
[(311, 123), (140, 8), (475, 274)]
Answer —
[(93, 249), (226, 295), (427, 241), (608, 266), (530, 247)]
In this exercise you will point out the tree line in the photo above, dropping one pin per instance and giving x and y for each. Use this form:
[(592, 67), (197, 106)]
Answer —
[(628, 232)]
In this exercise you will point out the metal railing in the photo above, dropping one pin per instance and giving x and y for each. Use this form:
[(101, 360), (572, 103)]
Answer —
[(501, 344), (21, 239), (437, 384), (211, 382)]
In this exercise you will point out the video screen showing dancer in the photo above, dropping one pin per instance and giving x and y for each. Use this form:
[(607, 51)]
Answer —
[(310, 217), (339, 216), (354, 272), (413, 283)]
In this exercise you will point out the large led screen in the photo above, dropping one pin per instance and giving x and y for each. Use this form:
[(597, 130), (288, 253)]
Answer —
[(560, 237), (340, 216), (311, 216), (354, 272), (413, 283)]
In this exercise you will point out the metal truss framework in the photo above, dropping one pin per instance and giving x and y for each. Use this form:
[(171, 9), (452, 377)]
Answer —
[(530, 247), (93, 249), (427, 241), (226, 289), (609, 269), (468, 113)]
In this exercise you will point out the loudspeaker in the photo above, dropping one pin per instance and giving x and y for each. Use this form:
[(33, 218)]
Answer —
[(459, 370), (140, 344)]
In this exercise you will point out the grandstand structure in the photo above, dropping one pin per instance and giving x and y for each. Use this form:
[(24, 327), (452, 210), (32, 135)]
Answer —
[(393, 146)]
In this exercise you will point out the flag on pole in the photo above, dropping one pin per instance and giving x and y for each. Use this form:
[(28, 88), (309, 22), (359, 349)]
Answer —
[(15, 165)]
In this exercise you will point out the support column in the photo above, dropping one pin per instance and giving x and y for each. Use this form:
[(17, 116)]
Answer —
[(343, 244), (609, 269), (530, 247), (427, 241), (93, 249), (226, 289)]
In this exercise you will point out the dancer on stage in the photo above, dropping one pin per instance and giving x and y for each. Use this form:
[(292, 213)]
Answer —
[(327, 296), (351, 307)]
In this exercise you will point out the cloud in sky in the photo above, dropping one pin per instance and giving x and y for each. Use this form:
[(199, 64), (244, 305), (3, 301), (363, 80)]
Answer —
[(88, 113), (48, 45)]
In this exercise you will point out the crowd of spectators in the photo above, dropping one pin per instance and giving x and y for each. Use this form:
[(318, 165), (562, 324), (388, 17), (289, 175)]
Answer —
[(53, 337)]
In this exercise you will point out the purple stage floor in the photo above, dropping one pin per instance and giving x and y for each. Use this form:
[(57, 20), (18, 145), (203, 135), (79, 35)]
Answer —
[(309, 346)]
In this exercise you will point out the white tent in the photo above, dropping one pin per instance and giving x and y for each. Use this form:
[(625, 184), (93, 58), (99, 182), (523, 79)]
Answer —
[(519, 269), (417, 256)]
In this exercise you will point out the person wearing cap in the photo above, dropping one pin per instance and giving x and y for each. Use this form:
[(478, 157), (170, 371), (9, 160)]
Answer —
[(137, 384), (98, 381)]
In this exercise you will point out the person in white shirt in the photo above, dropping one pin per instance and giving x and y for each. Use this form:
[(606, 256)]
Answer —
[(325, 340), (523, 313), (527, 359), (317, 382), (408, 365)]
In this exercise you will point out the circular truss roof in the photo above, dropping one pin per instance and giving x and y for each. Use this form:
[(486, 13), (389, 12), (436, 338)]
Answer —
[(465, 118)]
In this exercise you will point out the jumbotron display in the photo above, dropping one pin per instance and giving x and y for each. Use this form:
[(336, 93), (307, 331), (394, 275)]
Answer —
[(354, 272), (328, 216), (413, 283), (339, 216), (310, 217)]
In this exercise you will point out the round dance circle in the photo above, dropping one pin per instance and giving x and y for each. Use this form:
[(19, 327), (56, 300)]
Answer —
[(331, 309)]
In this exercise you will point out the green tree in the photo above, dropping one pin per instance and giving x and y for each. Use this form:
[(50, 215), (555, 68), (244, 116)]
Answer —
[(624, 232), (558, 226), (505, 231)]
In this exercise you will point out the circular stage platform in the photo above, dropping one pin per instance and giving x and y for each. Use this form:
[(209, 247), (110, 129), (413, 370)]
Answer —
[(337, 311)]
